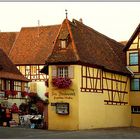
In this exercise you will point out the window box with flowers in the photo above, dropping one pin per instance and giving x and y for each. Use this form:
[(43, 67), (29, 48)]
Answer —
[(24, 94), (61, 82), (14, 93), (8, 93)]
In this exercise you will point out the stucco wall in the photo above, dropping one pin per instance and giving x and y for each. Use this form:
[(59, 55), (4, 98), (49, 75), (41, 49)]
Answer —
[(94, 113), (87, 110), (63, 122)]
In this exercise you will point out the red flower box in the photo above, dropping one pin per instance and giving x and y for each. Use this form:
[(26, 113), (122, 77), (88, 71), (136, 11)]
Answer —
[(61, 82), (8, 92), (14, 93), (24, 93)]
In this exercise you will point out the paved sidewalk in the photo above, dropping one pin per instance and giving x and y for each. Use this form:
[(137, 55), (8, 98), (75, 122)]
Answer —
[(109, 133)]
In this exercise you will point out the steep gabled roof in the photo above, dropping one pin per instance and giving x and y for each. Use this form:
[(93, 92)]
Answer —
[(134, 35), (6, 40), (33, 45), (8, 70), (88, 46)]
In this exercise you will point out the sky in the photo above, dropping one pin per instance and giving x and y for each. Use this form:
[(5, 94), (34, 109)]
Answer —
[(117, 20)]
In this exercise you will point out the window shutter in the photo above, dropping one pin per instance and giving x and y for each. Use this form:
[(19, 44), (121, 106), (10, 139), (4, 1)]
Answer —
[(71, 71), (54, 72)]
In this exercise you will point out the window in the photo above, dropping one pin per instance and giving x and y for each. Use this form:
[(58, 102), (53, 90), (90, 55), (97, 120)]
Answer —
[(8, 85), (135, 109), (62, 71), (133, 58), (17, 85), (63, 44), (135, 84)]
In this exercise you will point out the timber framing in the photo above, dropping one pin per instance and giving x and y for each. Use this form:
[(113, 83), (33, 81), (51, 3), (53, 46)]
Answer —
[(111, 84), (91, 81), (32, 72), (116, 89)]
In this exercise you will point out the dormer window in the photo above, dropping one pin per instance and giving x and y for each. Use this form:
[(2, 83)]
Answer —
[(63, 44)]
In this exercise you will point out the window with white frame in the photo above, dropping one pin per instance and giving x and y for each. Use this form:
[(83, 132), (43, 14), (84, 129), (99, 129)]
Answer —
[(133, 58), (62, 71)]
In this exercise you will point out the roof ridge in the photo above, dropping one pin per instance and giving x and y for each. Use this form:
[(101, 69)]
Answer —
[(75, 49), (9, 32), (41, 26), (56, 39), (13, 44)]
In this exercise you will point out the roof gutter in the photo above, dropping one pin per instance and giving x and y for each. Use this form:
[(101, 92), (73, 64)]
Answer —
[(130, 71)]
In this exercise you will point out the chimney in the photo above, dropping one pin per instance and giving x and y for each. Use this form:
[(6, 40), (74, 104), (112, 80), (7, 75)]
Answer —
[(81, 20)]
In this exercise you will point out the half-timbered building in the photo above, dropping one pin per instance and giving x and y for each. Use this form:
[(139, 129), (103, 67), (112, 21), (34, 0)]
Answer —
[(29, 51), (88, 80), (12, 82), (132, 50)]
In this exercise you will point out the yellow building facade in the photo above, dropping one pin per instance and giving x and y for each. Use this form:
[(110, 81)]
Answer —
[(88, 106), (133, 62)]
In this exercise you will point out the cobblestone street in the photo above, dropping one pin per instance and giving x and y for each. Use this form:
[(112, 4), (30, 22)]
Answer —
[(109, 133)]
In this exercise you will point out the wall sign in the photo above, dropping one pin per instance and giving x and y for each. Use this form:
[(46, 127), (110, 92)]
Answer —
[(62, 108), (65, 94)]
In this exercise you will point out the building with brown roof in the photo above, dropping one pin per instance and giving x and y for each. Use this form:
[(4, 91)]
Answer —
[(88, 80), (12, 82), (31, 48), (132, 51)]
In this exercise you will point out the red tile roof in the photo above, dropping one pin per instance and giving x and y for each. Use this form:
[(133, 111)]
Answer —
[(8, 70), (88, 46), (33, 45), (6, 40)]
